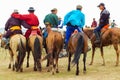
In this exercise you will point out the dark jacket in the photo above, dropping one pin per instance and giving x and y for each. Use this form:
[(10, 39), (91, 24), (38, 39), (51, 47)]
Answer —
[(104, 17), (52, 19), (15, 22)]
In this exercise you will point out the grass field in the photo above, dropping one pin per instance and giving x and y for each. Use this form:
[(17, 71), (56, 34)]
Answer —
[(94, 72)]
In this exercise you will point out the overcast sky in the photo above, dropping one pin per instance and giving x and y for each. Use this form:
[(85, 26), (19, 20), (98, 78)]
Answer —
[(43, 7)]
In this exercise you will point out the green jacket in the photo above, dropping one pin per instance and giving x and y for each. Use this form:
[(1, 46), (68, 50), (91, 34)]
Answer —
[(52, 19)]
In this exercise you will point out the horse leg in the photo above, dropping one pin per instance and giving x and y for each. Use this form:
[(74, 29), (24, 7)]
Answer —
[(53, 67), (102, 54), (11, 59), (117, 53), (15, 61), (69, 61), (28, 56), (35, 62), (57, 71), (93, 52), (77, 68), (84, 61)]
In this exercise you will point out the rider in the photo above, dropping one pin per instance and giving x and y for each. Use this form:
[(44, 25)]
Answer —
[(104, 20), (51, 19), (13, 26), (75, 19), (31, 19)]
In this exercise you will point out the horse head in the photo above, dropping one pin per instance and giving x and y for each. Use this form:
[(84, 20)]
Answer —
[(89, 32)]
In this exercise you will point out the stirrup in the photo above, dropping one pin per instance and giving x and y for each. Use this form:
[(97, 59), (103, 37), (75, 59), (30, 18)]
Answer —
[(97, 41)]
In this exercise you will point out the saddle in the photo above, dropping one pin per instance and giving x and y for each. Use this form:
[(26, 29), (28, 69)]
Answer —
[(33, 32), (105, 28)]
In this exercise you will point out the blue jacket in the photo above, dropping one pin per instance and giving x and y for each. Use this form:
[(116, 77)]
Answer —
[(75, 18)]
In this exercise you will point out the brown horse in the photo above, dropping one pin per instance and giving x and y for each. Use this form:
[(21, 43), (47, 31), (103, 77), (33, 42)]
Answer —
[(109, 37), (35, 45), (54, 43), (17, 43), (77, 45)]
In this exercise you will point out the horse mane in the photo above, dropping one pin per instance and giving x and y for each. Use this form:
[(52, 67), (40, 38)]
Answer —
[(89, 32)]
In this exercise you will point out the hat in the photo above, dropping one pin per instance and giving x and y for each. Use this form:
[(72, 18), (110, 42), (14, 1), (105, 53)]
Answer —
[(31, 9), (101, 4), (15, 11), (54, 9), (78, 6)]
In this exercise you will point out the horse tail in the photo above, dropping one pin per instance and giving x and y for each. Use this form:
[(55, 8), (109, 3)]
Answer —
[(21, 54), (79, 49), (37, 49)]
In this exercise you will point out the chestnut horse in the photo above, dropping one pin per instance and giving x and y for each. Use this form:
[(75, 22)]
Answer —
[(108, 37), (17, 49), (54, 44), (35, 45), (77, 45)]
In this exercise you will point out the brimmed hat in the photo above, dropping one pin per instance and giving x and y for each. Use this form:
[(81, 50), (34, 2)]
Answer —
[(54, 9), (101, 4), (15, 11), (31, 9), (78, 6)]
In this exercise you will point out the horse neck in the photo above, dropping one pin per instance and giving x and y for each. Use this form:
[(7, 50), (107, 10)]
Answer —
[(49, 29), (89, 33)]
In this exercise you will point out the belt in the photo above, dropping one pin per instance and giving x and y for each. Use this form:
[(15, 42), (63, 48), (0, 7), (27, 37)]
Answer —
[(70, 25), (34, 27), (15, 28)]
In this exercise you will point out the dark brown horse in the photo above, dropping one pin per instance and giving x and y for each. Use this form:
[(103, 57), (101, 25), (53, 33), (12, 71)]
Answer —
[(54, 44), (77, 45), (35, 45), (109, 37)]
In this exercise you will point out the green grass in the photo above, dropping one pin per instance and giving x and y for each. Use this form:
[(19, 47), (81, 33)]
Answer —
[(94, 72)]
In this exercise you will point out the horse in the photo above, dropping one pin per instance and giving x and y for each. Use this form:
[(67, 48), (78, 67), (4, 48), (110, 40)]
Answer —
[(54, 44), (35, 42), (17, 51), (77, 45), (108, 37)]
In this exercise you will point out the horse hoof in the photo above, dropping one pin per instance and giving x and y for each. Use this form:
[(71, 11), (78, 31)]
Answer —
[(57, 71), (35, 69), (48, 70), (90, 64), (40, 69), (103, 64), (21, 70), (68, 69), (77, 73), (53, 73), (27, 66), (9, 67), (84, 72), (116, 65), (16, 70)]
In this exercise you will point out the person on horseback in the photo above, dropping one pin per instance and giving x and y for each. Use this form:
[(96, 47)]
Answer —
[(103, 21), (31, 19), (75, 19), (52, 20), (13, 26)]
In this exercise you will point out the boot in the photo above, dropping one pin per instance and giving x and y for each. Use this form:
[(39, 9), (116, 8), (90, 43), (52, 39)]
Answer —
[(97, 37), (6, 43)]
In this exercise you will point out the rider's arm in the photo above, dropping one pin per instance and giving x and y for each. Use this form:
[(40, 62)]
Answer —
[(21, 17), (7, 25), (25, 25)]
